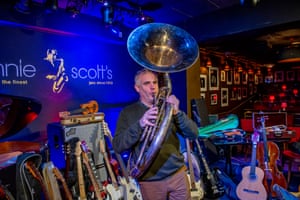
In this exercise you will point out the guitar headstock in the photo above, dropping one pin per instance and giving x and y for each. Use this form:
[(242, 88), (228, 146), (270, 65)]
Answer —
[(255, 137), (84, 147), (78, 149)]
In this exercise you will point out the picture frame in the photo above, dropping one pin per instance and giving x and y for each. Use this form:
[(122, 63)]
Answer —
[(244, 78), (223, 76), (202, 95), (278, 76), (203, 82), (229, 77), (244, 92), (239, 93), (213, 99), (213, 78), (224, 97), (290, 75), (237, 78)]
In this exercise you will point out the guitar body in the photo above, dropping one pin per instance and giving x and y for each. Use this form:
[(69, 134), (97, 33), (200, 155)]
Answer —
[(132, 190), (251, 188), (213, 188), (196, 192), (271, 171)]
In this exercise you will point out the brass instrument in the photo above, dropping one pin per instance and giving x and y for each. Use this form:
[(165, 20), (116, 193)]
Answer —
[(161, 48)]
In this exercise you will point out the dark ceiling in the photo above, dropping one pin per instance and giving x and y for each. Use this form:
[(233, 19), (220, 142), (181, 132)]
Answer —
[(257, 29)]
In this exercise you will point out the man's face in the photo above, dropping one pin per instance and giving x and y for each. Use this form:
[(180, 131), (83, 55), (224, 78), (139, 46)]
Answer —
[(147, 87)]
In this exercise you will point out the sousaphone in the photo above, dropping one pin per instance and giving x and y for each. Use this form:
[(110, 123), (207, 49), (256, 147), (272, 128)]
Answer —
[(165, 49)]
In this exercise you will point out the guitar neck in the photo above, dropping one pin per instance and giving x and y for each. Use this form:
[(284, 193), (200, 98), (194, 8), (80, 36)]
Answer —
[(109, 168), (81, 184), (60, 177), (91, 175), (207, 169), (191, 169)]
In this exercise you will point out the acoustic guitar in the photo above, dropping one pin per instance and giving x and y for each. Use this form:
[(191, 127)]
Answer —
[(251, 186), (267, 156)]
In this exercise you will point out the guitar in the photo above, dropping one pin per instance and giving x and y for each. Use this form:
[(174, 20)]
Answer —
[(59, 176), (81, 184), (51, 182), (113, 189), (212, 186), (132, 188), (29, 165), (196, 187), (267, 156), (85, 108), (87, 160), (251, 186)]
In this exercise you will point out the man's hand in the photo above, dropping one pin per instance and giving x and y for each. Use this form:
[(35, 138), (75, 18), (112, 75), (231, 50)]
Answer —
[(149, 117), (175, 103)]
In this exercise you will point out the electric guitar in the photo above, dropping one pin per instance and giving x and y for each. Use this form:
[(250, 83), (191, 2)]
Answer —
[(132, 188), (81, 184), (87, 160), (116, 191), (213, 188), (51, 182), (196, 187), (59, 177), (29, 165), (251, 185)]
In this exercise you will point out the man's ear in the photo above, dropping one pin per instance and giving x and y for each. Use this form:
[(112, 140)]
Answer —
[(137, 89)]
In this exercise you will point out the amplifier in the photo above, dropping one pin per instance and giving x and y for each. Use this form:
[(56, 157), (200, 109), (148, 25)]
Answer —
[(59, 135)]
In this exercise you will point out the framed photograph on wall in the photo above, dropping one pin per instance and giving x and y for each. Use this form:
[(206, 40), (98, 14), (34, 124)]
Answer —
[(213, 99), (229, 77), (223, 76), (202, 95), (224, 97), (290, 76), (278, 76), (237, 78), (244, 77), (244, 92), (203, 82), (213, 78)]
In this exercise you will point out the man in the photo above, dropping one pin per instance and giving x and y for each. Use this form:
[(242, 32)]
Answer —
[(166, 177)]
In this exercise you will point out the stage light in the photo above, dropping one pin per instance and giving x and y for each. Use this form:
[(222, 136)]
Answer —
[(22, 6), (108, 13)]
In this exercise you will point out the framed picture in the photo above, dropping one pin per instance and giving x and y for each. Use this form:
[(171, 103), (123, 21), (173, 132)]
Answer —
[(290, 75), (256, 79), (203, 82), (213, 78), (202, 95), (224, 97), (213, 99), (237, 78), (250, 89), (278, 76), (244, 92), (229, 77), (223, 76), (251, 77), (244, 78), (239, 93)]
